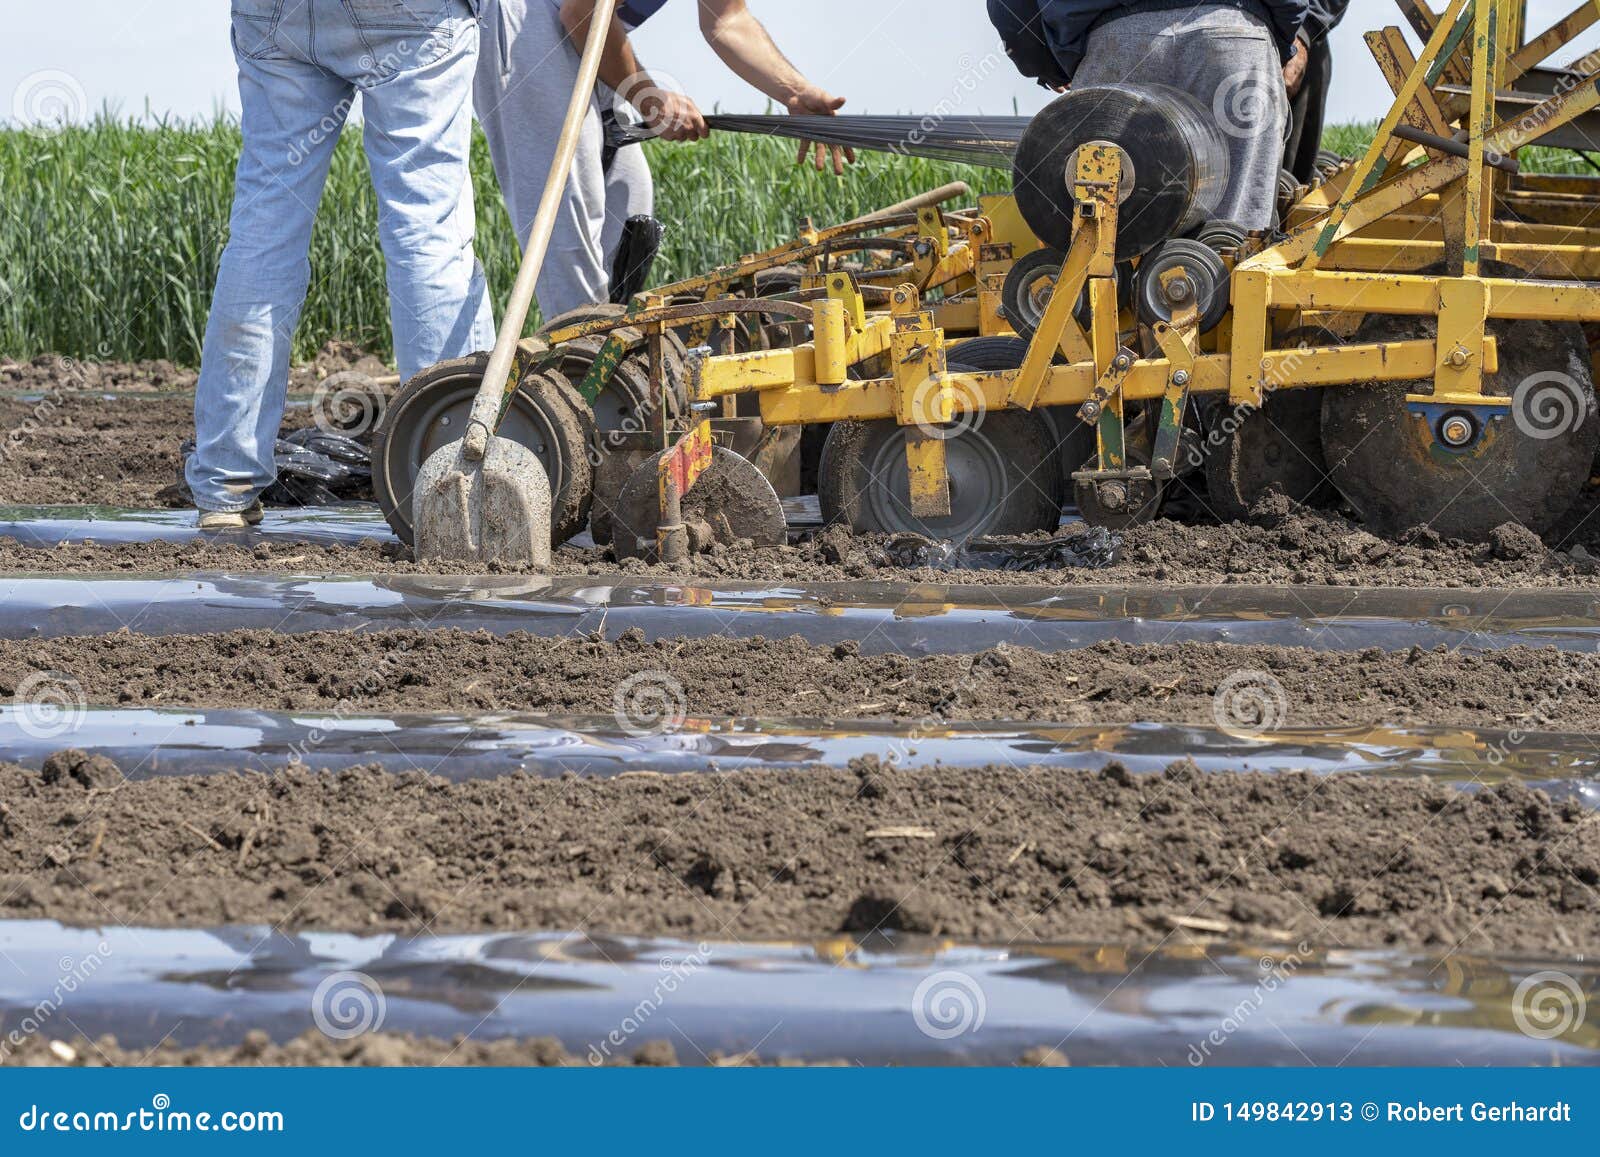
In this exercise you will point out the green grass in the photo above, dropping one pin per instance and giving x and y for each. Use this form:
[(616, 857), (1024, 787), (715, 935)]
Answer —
[(110, 233), (1352, 140)]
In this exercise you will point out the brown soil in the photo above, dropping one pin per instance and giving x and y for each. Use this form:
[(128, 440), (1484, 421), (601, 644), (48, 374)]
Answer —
[(452, 670), (71, 445), (995, 855), (51, 373), (313, 1050), (1302, 547)]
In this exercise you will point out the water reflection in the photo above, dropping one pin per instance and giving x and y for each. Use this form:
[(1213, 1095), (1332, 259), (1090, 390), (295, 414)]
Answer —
[(1184, 1001)]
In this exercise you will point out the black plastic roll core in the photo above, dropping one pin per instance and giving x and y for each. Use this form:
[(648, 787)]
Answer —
[(1177, 153)]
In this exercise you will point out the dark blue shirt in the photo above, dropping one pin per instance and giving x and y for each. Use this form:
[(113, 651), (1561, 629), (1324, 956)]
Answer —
[(1047, 38)]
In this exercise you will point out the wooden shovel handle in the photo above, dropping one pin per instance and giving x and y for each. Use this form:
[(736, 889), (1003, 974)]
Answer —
[(486, 407)]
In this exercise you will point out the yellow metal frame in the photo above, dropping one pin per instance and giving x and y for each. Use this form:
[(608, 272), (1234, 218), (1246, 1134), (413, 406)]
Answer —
[(1354, 247)]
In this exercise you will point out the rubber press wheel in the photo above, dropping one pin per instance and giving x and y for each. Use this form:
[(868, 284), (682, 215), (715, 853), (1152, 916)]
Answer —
[(1392, 462), (625, 401), (431, 411), (1073, 439), (1004, 472)]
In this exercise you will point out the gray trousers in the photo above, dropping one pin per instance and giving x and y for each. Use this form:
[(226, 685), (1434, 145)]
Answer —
[(526, 74), (1227, 59)]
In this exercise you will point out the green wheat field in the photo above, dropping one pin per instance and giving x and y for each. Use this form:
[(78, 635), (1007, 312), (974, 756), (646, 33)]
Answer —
[(110, 233)]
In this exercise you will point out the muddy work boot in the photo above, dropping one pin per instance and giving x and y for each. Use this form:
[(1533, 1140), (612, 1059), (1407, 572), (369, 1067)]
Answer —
[(231, 519)]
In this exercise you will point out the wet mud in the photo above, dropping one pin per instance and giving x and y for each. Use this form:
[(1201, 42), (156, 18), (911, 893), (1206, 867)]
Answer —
[(1529, 689), (240, 995), (996, 855)]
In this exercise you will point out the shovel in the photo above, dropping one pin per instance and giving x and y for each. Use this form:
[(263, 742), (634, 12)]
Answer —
[(485, 498)]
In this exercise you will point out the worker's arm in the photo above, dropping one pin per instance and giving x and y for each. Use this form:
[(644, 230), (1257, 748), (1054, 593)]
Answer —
[(747, 48), (673, 115)]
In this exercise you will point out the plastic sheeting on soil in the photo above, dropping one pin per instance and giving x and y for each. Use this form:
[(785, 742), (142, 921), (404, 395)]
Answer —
[(876, 1001), (148, 742), (910, 618)]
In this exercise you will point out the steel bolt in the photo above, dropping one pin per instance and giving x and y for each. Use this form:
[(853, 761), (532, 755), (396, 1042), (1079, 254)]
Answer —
[(1091, 410), (1181, 378), (1121, 362), (1456, 430)]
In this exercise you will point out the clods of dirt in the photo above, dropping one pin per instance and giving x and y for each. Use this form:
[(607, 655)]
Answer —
[(453, 670), (995, 855)]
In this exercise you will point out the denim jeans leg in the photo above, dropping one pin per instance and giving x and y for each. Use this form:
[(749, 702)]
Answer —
[(292, 113), (417, 134)]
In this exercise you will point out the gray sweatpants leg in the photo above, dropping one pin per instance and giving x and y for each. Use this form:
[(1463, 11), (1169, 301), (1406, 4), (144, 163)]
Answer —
[(1228, 60), (525, 78)]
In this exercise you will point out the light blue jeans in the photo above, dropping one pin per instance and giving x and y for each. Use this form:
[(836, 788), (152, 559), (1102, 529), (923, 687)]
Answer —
[(302, 64)]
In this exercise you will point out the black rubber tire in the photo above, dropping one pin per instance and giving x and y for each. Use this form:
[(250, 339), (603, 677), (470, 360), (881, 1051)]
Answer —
[(862, 479), (1018, 295), (430, 411), (1073, 439), (1390, 467)]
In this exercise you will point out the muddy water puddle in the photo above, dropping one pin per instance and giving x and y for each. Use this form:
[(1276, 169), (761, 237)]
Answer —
[(876, 1000), (148, 742), (51, 526), (911, 618)]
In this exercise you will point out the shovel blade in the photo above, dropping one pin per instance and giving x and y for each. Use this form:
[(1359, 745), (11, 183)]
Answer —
[(496, 510)]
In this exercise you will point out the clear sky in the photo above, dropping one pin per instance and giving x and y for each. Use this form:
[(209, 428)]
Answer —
[(887, 56)]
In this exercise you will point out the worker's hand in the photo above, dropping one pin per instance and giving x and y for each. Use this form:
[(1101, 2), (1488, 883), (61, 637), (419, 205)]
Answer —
[(815, 102), (1294, 73), (671, 115)]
